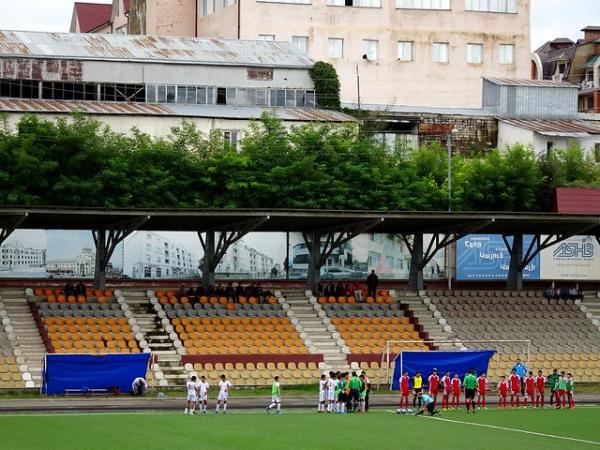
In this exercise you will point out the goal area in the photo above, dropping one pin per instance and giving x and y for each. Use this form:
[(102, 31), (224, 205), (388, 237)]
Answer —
[(400, 355)]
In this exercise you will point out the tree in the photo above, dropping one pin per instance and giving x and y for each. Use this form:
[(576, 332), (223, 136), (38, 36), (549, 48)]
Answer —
[(327, 85)]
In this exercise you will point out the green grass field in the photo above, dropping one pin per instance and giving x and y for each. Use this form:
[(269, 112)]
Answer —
[(300, 430)]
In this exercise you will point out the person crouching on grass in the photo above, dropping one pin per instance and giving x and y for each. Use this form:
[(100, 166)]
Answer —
[(427, 404)]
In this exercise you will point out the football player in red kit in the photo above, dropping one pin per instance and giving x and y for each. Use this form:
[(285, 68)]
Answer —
[(515, 389), (482, 383), (434, 386), (447, 382), (540, 385), (404, 390), (529, 390), (456, 389), (502, 392)]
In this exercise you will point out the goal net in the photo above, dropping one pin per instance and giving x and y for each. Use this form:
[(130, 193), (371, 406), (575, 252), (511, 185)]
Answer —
[(506, 352)]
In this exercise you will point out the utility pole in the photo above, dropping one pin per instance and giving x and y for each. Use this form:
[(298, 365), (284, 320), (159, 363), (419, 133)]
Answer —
[(358, 87), (449, 248)]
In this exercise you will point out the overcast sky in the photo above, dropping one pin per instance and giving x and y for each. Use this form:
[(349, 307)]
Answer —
[(549, 18)]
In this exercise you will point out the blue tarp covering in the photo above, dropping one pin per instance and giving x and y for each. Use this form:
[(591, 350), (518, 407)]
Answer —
[(87, 372), (459, 362)]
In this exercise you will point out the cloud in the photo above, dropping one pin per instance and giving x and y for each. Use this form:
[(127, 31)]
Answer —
[(556, 18)]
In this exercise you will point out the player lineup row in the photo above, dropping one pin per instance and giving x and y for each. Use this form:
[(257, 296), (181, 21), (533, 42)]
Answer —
[(197, 395), (527, 389)]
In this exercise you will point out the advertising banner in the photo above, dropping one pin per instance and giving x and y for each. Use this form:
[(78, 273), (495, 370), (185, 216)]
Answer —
[(577, 258), (485, 257)]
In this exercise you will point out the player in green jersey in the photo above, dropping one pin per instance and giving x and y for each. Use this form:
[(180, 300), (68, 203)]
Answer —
[(275, 396)]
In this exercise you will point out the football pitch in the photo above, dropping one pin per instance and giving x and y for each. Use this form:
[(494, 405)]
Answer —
[(299, 430)]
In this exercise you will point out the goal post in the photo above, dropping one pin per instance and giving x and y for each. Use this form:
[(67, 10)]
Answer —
[(389, 355)]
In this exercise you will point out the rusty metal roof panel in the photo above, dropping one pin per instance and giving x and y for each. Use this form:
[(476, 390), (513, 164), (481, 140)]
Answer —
[(155, 109), (529, 83), (88, 107), (565, 128), (158, 49)]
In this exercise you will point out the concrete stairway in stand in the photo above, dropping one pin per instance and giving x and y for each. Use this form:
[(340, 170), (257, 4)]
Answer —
[(591, 307), (432, 325), (167, 369), (316, 329), (22, 331)]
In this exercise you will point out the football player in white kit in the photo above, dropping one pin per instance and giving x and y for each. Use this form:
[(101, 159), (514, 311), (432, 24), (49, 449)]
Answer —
[(202, 392), (322, 393), (224, 386), (331, 385), (191, 395)]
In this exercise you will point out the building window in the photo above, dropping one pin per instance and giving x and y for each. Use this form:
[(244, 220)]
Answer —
[(231, 136), (405, 51), (507, 54), (147, 272), (301, 42), (475, 53), (423, 4), (440, 52), (335, 47), (266, 37), (355, 3), (294, 2), (500, 6), (369, 49)]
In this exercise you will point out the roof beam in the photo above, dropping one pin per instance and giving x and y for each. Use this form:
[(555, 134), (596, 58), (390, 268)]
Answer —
[(9, 224)]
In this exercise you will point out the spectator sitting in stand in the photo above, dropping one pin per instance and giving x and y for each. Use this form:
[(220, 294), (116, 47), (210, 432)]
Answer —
[(330, 289), (80, 289), (200, 291), (549, 293), (339, 290), (320, 290), (69, 289), (357, 291), (190, 293), (182, 291), (347, 290)]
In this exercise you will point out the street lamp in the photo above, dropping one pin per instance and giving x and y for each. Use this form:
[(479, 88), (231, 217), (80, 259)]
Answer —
[(453, 132)]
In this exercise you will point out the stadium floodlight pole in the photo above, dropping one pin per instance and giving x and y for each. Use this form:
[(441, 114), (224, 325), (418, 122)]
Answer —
[(454, 131)]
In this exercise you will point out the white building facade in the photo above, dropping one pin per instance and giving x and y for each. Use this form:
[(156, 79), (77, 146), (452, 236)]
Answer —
[(244, 261), (14, 255), (82, 265), (148, 255)]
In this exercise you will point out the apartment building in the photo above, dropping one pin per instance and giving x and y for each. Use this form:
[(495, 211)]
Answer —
[(411, 52), (577, 63)]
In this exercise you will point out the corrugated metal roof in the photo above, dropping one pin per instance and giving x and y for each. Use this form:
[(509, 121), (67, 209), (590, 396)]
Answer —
[(576, 201), (163, 49), (528, 83), (419, 110), (154, 109), (566, 128)]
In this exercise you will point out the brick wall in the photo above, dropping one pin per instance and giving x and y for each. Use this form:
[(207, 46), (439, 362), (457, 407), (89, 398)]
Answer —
[(480, 133)]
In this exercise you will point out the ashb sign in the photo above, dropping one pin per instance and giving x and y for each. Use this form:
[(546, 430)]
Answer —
[(577, 258), (485, 257)]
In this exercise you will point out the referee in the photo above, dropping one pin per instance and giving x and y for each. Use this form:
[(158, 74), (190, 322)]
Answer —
[(470, 384)]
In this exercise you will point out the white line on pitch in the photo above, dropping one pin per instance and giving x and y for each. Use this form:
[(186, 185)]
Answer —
[(516, 430)]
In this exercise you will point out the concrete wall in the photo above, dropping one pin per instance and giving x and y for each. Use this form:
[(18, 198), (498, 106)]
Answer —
[(127, 72), (510, 135), (222, 23), (387, 80), (153, 125), (171, 18)]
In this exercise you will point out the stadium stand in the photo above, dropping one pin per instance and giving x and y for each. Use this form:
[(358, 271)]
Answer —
[(246, 339), (561, 335)]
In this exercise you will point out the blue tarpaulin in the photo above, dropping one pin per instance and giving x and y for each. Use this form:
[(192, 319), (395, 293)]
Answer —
[(86, 372), (455, 362)]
